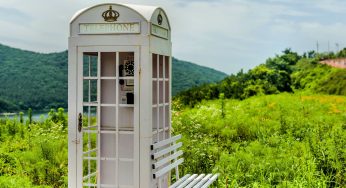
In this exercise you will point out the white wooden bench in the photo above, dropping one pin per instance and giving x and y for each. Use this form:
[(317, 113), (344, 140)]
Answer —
[(165, 158)]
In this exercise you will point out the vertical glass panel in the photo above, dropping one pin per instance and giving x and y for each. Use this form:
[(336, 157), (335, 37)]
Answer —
[(167, 66), (126, 97), (126, 64), (108, 172), (108, 91), (167, 116), (108, 64), (108, 117), (126, 146), (161, 121), (89, 116), (154, 118), (161, 66), (154, 59), (161, 134), (155, 138), (161, 92), (154, 92), (108, 146), (167, 91), (90, 64), (126, 118), (89, 168), (167, 134), (126, 82), (126, 173), (89, 90), (89, 143)]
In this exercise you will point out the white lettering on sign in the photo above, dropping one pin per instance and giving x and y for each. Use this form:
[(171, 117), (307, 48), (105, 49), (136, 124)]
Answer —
[(159, 31), (109, 28)]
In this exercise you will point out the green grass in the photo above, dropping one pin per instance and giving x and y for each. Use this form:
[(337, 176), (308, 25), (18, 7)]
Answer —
[(284, 140), (34, 155)]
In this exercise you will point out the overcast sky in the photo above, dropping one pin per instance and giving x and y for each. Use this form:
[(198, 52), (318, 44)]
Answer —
[(227, 35)]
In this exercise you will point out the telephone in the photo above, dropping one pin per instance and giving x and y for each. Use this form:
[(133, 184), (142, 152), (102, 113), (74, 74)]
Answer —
[(126, 69)]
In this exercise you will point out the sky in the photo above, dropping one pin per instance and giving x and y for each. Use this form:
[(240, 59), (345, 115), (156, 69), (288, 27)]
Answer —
[(227, 35)]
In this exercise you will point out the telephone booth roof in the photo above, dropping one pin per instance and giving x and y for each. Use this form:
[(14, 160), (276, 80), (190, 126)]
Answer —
[(144, 11)]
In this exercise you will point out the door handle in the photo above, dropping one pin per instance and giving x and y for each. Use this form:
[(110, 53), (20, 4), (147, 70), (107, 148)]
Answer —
[(80, 122)]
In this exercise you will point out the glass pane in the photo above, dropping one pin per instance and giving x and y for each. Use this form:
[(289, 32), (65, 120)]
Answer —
[(89, 144), (108, 91), (167, 66), (161, 123), (108, 64), (90, 168), (89, 116), (90, 64), (126, 64), (154, 118), (126, 175), (167, 92), (167, 116), (154, 92), (154, 59), (89, 90), (108, 172), (126, 146), (108, 146), (161, 66), (126, 97), (126, 118), (108, 117), (161, 92)]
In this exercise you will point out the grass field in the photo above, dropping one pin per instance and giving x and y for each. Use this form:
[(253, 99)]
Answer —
[(284, 140)]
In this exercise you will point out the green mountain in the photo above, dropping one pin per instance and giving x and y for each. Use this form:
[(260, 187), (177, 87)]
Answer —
[(39, 81), (187, 75)]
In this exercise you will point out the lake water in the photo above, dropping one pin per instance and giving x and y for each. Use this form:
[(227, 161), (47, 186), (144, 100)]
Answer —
[(36, 116)]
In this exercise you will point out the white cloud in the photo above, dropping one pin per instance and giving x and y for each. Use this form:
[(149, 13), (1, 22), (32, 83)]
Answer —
[(223, 34)]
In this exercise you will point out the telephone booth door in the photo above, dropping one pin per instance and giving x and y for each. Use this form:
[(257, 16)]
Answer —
[(108, 113)]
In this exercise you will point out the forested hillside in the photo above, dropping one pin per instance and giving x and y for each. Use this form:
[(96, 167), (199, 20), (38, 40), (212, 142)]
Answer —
[(287, 72), (39, 81), (185, 75), (32, 80)]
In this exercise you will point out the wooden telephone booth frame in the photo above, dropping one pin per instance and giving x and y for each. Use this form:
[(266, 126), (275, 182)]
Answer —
[(119, 94)]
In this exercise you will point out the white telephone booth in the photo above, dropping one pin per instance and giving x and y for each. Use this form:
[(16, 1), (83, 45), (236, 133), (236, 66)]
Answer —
[(119, 93)]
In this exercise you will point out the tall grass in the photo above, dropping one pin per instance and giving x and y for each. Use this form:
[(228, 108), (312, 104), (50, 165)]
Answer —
[(284, 140)]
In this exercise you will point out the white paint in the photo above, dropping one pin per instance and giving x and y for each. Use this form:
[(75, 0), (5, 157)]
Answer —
[(124, 132), (159, 31)]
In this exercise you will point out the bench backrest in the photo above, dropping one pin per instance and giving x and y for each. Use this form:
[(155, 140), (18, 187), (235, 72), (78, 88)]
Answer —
[(165, 156)]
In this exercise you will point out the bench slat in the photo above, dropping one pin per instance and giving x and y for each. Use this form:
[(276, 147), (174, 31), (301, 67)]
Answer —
[(190, 179), (165, 151), (205, 179), (181, 180), (165, 142), (210, 181), (167, 168), (167, 159), (195, 181)]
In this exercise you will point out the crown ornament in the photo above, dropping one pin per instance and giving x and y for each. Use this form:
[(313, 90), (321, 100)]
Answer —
[(159, 19), (110, 15)]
